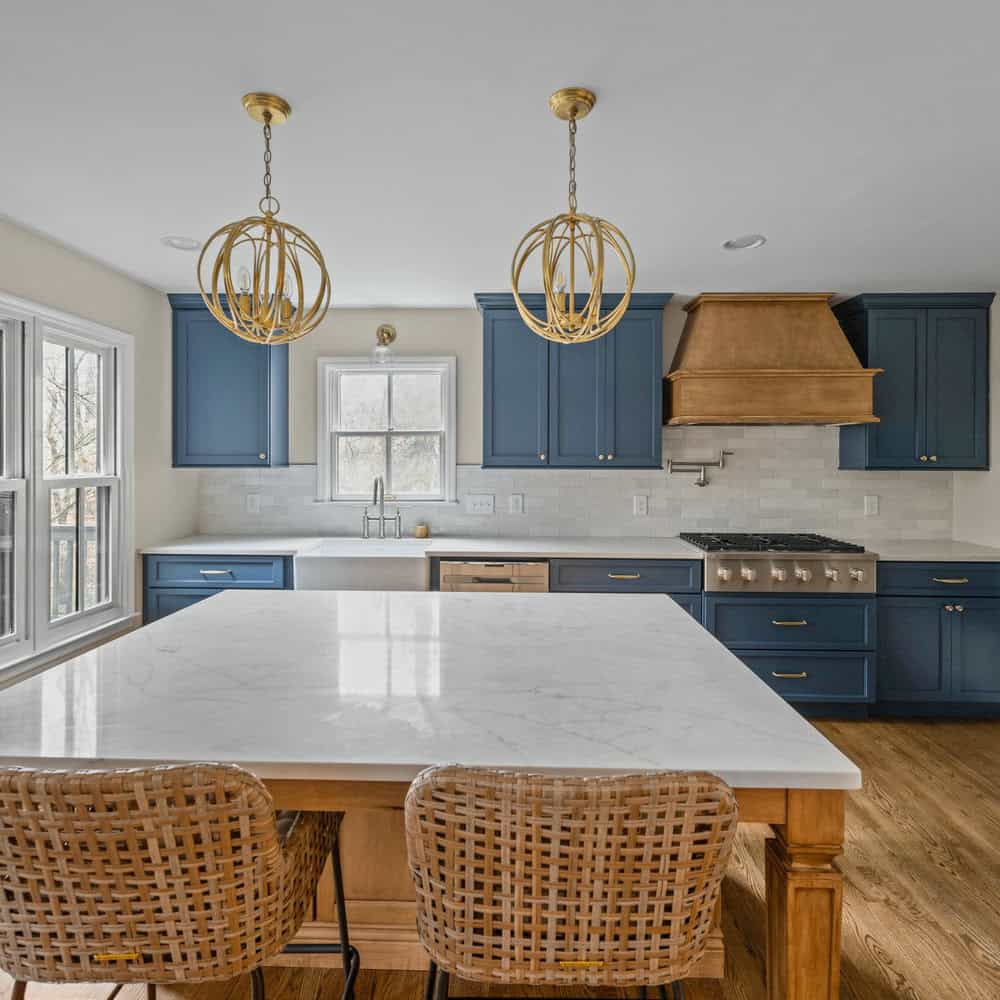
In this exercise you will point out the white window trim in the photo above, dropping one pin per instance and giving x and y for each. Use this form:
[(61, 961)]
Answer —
[(326, 370), (42, 636)]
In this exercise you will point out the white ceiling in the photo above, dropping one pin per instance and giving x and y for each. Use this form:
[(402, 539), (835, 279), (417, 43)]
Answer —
[(859, 135)]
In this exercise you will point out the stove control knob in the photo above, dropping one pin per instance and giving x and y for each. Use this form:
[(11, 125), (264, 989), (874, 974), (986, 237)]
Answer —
[(778, 574), (748, 574), (803, 575), (724, 574), (833, 575), (858, 575)]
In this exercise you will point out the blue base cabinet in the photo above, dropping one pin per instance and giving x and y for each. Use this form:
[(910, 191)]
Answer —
[(171, 582), (592, 405), (230, 397), (808, 649), (939, 635), (932, 399)]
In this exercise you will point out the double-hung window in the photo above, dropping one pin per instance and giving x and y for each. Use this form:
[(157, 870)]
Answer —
[(65, 533), (395, 420)]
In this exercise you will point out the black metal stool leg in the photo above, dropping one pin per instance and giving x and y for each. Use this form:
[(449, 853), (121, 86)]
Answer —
[(348, 954), (431, 983), (678, 990), (441, 985), (150, 991), (257, 984), (643, 993), (661, 991), (19, 989)]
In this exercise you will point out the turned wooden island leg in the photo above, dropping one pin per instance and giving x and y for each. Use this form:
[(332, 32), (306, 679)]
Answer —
[(805, 898)]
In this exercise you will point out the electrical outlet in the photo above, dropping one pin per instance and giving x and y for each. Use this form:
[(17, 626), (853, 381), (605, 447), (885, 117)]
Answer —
[(479, 503), (516, 503), (871, 506), (253, 503), (640, 505)]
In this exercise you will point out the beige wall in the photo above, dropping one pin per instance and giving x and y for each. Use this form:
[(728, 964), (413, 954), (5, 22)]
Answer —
[(33, 267), (977, 494), (351, 332)]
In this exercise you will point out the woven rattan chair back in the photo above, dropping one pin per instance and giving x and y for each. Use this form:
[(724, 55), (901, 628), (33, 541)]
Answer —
[(536, 880), (161, 874)]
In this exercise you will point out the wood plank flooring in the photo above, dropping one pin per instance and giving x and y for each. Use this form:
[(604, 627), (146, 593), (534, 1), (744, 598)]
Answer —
[(922, 867)]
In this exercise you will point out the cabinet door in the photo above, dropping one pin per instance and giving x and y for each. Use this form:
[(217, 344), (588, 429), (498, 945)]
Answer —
[(957, 373), (634, 390), (515, 392), (576, 389), (222, 395), (914, 648), (975, 673), (897, 342), (160, 603)]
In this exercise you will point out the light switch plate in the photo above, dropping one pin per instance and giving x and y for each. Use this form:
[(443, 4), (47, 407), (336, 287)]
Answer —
[(871, 506), (640, 505), (253, 503), (479, 503), (516, 503)]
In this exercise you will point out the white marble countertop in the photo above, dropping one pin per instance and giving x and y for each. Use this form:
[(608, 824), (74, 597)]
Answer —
[(348, 547), (923, 550), (375, 686)]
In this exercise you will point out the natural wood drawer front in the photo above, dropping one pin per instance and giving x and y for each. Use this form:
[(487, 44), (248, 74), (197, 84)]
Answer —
[(510, 577)]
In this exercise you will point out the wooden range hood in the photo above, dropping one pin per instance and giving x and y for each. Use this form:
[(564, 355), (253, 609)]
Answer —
[(766, 358)]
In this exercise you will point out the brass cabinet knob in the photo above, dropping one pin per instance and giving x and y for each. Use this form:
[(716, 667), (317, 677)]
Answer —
[(600, 458), (262, 456), (949, 607), (933, 458), (611, 456), (960, 608), (923, 458), (541, 455)]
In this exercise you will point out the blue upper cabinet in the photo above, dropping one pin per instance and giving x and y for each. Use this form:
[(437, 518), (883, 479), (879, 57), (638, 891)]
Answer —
[(933, 399), (592, 405), (230, 396)]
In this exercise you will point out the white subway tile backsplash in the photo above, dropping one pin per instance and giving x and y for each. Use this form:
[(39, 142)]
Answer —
[(778, 479)]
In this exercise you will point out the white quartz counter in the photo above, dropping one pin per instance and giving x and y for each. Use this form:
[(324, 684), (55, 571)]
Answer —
[(235, 545), (566, 548), (375, 686), (922, 550)]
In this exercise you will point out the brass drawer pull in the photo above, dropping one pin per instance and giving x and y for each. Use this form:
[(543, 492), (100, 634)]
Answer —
[(797, 624), (949, 579), (624, 576), (216, 572), (800, 676)]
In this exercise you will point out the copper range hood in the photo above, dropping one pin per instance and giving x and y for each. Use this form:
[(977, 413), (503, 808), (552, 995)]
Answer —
[(766, 358)]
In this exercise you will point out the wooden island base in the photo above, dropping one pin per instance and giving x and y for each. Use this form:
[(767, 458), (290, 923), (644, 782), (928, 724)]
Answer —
[(804, 885)]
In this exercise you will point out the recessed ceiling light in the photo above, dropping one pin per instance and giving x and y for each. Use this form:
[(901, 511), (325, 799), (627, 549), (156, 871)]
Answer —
[(181, 243), (749, 242)]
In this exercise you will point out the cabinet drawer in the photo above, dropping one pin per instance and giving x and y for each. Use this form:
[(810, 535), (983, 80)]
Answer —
[(216, 571), (691, 603), (939, 579), (636, 576), (814, 676), (791, 622)]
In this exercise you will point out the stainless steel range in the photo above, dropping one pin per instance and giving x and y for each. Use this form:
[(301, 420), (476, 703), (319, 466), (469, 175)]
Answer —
[(789, 563)]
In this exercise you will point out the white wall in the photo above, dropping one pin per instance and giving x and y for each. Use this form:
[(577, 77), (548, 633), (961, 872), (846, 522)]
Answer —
[(33, 267), (977, 494)]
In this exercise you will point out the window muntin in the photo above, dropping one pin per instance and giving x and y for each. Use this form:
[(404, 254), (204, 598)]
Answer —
[(392, 420)]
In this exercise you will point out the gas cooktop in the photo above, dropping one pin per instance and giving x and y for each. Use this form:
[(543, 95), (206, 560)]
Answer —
[(759, 542)]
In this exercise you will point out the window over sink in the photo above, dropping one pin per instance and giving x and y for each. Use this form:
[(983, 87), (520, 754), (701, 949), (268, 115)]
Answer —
[(395, 420)]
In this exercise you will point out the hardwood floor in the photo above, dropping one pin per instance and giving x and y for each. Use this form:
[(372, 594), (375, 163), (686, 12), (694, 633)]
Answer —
[(922, 867)]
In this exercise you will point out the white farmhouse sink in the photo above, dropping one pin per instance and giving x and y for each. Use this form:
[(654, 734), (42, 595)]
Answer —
[(363, 564)]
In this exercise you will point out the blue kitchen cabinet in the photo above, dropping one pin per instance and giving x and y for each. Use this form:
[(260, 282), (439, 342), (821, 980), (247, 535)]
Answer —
[(173, 582), (939, 636), (932, 399), (230, 397), (592, 405)]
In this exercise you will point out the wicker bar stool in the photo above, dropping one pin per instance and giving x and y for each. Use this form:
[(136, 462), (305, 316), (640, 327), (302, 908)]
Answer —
[(537, 880), (173, 874)]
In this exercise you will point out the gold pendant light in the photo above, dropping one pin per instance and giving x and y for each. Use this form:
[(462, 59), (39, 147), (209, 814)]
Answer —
[(255, 274), (572, 244)]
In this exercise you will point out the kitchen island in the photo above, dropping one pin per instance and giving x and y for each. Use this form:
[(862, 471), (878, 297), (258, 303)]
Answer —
[(337, 699)]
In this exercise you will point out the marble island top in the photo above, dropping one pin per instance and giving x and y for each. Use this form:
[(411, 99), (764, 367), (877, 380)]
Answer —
[(375, 686)]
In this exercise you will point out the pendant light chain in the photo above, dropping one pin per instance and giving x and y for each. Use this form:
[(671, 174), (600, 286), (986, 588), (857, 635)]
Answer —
[(572, 166), (273, 206)]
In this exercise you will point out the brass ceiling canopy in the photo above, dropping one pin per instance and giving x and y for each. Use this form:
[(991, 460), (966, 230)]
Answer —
[(573, 243), (254, 273)]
